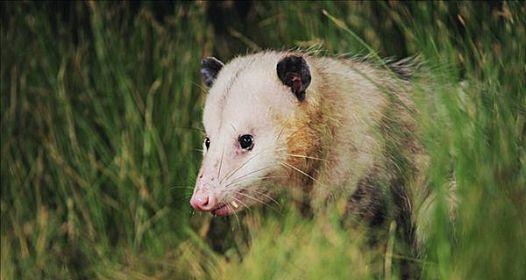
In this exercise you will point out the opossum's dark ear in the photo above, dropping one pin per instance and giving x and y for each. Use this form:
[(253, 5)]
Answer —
[(210, 67), (294, 72)]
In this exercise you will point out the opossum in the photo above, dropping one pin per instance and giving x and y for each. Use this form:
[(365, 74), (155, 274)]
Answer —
[(323, 127)]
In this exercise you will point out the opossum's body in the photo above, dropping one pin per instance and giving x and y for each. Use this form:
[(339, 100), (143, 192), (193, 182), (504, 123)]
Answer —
[(323, 127)]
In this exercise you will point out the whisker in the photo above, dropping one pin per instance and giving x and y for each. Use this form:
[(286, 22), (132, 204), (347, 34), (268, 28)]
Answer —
[(299, 170), (258, 200), (253, 198), (258, 178), (220, 163), (303, 156), (240, 202), (238, 168), (270, 177), (267, 196), (237, 182), (235, 214), (244, 176)]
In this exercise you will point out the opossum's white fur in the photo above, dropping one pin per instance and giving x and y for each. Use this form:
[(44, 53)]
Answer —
[(243, 100)]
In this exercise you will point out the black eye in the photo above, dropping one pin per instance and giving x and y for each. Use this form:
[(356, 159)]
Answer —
[(207, 143), (246, 142)]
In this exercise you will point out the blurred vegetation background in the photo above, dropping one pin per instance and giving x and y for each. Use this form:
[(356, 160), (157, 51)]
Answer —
[(100, 138)]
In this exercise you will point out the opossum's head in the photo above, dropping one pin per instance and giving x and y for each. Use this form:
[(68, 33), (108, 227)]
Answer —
[(249, 123)]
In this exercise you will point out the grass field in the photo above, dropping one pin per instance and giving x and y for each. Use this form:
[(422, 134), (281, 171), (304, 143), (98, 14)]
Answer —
[(100, 138)]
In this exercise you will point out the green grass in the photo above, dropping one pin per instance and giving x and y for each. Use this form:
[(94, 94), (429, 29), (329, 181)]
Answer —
[(100, 139)]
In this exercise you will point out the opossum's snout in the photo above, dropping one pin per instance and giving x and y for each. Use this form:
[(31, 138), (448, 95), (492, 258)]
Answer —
[(210, 197), (202, 201), (206, 200)]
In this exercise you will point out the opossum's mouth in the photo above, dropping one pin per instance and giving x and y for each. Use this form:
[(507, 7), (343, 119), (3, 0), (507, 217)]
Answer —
[(237, 204), (226, 209)]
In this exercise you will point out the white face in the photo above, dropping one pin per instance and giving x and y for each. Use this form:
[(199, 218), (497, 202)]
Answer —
[(244, 146)]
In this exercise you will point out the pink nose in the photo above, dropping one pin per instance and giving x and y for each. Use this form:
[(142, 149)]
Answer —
[(203, 202)]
